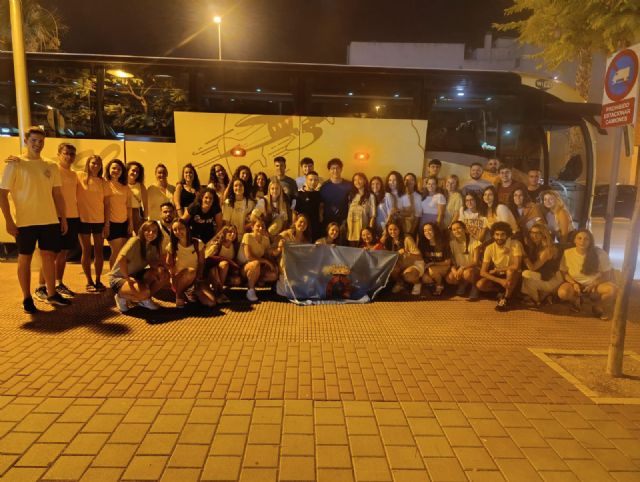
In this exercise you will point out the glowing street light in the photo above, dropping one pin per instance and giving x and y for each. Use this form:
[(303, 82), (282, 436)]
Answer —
[(217, 19)]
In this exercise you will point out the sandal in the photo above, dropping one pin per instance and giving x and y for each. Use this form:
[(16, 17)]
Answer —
[(100, 287), (180, 303), (90, 288)]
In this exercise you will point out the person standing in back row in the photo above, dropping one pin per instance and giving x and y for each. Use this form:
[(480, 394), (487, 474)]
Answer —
[(289, 185), (334, 194), (35, 188)]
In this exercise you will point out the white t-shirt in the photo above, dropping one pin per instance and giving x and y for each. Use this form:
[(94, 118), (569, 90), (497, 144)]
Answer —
[(258, 248), (501, 256), (572, 263), (405, 202), (30, 183), (460, 258), (186, 257), (430, 203)]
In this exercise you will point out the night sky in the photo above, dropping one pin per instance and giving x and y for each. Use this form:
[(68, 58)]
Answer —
[(276, 30)]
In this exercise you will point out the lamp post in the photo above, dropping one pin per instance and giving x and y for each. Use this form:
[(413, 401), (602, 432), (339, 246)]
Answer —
[(20, 68), (218, 21)]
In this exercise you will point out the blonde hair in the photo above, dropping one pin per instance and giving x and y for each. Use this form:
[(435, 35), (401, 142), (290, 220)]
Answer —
[(556, 195)]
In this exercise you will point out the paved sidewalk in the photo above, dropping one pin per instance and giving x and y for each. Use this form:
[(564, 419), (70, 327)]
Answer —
[(397, 390)]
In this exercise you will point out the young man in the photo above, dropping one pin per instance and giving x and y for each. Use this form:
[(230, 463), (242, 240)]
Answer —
[(501, 265), (35, 188), (308, 202), (69, 240), (289, 185), (475, 183), (534, 188), (491, 170), (506, 185), (167, 215), (334, 194), (433, 170), (306, 166)]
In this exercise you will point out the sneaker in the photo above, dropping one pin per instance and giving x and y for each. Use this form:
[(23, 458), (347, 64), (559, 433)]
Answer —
[(252, 296), (599, 313), (397, 288), (438, 290), (149, 304), (474, 294), (503, 304), (29, 307), (190, 294), (121, 303), (223, 299), (417, 289), (64, 291), (58, 300), (100, 287), (40, 293), (462, 288)]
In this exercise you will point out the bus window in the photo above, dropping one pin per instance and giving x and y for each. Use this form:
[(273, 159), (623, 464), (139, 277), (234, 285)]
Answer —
[(8, 117), (141, 99), (521, 146), (363, 96), (234, 91)]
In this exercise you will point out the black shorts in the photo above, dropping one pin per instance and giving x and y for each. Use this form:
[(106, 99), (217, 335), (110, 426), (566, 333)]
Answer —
[(70, 239), (90, 228), (48, 237), (118, 230)]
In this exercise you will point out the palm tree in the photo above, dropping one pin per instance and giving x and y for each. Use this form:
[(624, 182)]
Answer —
[(42, 27)]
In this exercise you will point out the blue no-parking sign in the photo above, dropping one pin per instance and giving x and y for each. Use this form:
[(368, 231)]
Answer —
[(620, 88)]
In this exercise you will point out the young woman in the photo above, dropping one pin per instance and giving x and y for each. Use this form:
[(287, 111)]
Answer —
[(586, 269), (256, 258), (437, 260), (526, 212), (221, 253), (362, 208), (274, 209), (493, 212), (410, 266), (541, 277), (139, 271), (333, 235), (557, 216), (465, 259), (119, 224), (187, 189), (299, 233), (159, 193), (260, 186), (93, 207), (433, 204), (237, 207), (454, 199), (470, 216), (218, 179), (140, 200), (389, 209), (244, 174), (204, 217), (185, 259), (410, 204), (376, 186), (369, 240)]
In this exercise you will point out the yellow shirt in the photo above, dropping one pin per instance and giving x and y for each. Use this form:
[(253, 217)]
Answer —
[(31, 183), (91, 194), (119, 202), (69, 189)]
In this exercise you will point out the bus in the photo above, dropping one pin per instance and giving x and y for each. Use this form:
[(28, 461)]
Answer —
[(459, 116)]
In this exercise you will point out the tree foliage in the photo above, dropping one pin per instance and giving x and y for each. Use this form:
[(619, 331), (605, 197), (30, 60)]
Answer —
[(573, 30), (42, 27)]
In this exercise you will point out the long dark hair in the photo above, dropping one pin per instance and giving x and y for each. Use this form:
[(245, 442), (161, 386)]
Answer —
[(467, 236), (483, 207), (215, 202), (248, 184), (380, 195), (231, 195), (255, 187), (156, 243), (591, 263), (388, 240), (399, 183), (196, 179), (123, 174), (354, 190), (440, 242), (213, 177), (140, 167), (175, 241)]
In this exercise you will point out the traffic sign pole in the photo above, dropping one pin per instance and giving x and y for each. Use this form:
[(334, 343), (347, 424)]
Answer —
[(613, 189)]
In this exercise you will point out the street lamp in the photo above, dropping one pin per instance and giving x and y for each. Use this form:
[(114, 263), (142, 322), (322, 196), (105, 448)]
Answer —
[(218, 21)]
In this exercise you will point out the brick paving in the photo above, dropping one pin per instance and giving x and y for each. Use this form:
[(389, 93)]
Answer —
[(397, 390)]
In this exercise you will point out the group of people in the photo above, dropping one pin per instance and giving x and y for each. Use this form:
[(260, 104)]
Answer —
[(488, 234)]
